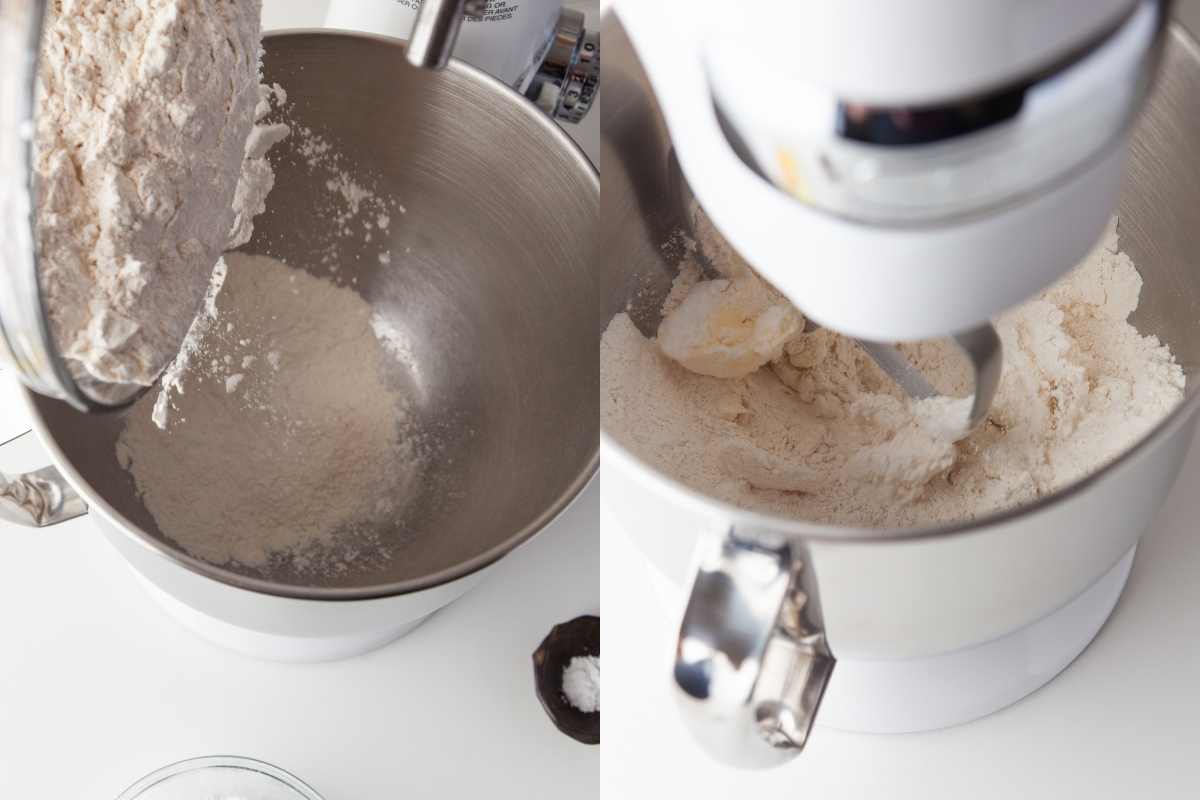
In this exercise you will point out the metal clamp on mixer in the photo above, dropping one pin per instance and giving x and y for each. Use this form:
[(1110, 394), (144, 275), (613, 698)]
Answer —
[(435, 30), (39, 498)]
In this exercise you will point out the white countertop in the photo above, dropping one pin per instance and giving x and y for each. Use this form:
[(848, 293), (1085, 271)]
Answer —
[(1121, 722), (99, 687)]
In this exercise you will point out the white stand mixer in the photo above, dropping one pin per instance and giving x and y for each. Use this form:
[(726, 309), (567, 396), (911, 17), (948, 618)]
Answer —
[(935, 163)]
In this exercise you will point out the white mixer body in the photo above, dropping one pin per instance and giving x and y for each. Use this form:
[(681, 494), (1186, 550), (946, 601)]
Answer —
[(901, 240), (915, 52)]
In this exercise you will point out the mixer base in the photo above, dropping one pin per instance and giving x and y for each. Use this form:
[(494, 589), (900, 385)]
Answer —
[(272, 647), (923, 694), (939, 692)]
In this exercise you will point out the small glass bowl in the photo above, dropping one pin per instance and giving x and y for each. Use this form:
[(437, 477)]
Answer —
[(230, 775)]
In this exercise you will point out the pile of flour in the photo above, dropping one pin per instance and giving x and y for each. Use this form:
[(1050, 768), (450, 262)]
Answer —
[(284, 444), (149, 164), (736, 401)]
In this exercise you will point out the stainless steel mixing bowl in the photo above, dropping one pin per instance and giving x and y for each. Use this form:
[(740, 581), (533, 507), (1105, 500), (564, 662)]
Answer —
[(491, 286), (750, 667)]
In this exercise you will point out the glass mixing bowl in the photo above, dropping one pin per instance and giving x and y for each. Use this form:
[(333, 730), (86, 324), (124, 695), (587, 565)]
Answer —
[(219, 777)]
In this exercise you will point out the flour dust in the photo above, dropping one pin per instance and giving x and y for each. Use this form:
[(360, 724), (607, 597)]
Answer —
[(285, 446)]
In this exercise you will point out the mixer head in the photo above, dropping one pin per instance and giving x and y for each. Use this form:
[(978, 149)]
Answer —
[(903, 171)]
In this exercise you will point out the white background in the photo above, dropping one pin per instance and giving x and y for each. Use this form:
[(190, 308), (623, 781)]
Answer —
[(99, 687), (1121, 722)]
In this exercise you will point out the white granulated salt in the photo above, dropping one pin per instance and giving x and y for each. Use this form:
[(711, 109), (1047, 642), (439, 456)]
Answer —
[(581, 683), (818, 432), (148, 165), (286, 460)]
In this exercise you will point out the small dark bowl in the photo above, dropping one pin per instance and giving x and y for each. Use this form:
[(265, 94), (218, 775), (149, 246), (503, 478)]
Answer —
[(579, 637)]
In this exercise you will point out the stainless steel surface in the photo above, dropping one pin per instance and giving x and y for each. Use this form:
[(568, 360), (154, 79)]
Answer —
[(898, 368), (568, 80), (39, 498), (910, 593), (492, 284), (983, 351), (964, 157), (435, 30), (1187, 14), (749, 670)]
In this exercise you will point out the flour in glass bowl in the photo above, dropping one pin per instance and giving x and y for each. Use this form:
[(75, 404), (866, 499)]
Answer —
[(149, 162)]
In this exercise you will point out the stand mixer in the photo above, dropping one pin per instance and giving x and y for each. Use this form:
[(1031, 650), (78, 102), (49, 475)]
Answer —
[(941, 162), (899, 172)]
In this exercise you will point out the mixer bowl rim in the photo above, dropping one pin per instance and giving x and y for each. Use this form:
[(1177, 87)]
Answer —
[(749, 521), (97, 503)]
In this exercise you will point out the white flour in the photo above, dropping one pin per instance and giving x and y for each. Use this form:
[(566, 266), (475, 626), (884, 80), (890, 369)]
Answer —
[(148, 166), (283, 444), (581, 683), (356, 210), (821, 434)]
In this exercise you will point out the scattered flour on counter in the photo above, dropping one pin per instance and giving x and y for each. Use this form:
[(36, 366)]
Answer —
[(581, 683), (814, 430), (148, 165), (285, 458)]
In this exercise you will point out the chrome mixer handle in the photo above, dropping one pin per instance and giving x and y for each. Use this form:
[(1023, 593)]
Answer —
[(435, 30), (751, 667), (39, 499)]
